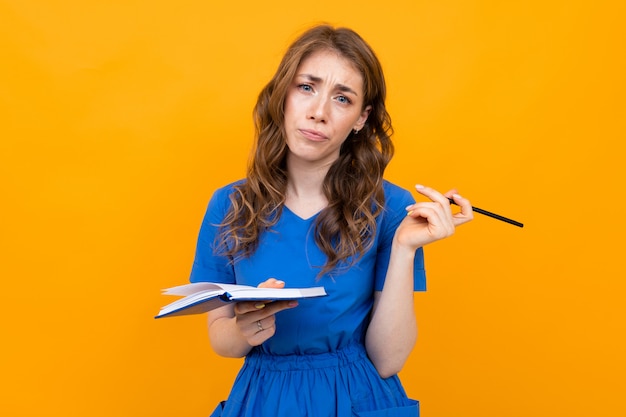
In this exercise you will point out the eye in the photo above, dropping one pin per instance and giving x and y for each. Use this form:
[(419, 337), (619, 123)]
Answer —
[(305, 87), (344, 100)]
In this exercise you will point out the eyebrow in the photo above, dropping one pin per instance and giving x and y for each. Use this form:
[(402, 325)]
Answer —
[(340, 87)]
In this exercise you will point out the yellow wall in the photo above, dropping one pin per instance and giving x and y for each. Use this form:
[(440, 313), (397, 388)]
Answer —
[(119, 118)]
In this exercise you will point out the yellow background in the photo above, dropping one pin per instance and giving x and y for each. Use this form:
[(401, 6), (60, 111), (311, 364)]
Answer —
[(119, 118)]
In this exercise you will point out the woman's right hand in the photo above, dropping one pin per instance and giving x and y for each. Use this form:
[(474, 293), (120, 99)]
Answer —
[(256, 320)]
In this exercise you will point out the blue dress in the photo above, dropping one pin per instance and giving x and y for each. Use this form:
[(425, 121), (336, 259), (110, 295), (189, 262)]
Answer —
[(316, 364)]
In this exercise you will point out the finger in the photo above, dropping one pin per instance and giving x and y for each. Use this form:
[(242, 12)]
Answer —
[(276, 306), (245, 307), (254, 322), (264, 324), (440, 213), (450, 193), (266, 317), (466, 213), (261, 309), (432, 194), (258, 331), (260, 336), (258, 326), (440, 221), (429, 212), (272, 283)]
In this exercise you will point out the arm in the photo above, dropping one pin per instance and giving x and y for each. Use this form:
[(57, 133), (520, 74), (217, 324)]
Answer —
[(234, 329), (392, 331)]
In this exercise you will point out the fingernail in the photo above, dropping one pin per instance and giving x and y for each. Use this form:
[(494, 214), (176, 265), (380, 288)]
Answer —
[(419, 186), (456, 196), (259, 305), (279, 282), (293, 303)]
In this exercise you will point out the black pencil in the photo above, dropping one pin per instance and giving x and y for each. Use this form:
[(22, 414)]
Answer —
[(493, 215)]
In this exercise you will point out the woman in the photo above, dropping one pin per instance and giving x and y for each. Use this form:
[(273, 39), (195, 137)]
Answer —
[(314, 210)]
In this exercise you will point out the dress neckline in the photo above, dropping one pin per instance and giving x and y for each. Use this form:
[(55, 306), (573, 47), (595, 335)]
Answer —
[(294, 214)]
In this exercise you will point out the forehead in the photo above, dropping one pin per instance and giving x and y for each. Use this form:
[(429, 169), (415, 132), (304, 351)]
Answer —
[(330, 66)]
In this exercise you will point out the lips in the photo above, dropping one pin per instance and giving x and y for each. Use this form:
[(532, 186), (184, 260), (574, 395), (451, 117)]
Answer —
[(311, 134)]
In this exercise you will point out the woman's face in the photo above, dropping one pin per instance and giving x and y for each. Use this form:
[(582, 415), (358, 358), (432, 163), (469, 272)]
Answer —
[(323, 105)]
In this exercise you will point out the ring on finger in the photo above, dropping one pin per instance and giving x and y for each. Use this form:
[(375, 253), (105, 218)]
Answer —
[(259, 325)]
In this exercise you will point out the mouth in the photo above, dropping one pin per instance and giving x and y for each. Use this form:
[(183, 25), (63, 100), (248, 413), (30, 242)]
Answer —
[(311, 134)]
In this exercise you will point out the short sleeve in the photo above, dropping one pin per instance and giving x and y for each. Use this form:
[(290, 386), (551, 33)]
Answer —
[(208, 264), (396, 201)]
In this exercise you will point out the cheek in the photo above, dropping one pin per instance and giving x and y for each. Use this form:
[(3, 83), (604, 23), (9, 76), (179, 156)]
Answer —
[(349, 122), (289, 106)]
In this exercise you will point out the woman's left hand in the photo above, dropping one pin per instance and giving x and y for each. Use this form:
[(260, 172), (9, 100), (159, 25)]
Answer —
[(429, 221)]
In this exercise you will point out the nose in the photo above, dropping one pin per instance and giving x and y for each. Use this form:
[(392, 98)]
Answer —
[(318, 109)]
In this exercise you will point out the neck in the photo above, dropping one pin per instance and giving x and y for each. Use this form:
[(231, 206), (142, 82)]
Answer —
[(305, 179), (305, 195)]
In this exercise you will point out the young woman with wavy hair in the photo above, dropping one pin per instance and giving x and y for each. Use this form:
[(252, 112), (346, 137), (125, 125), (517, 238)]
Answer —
[(313, 210)]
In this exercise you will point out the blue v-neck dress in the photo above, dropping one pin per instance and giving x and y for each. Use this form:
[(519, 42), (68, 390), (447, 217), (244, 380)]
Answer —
[(316, 364)]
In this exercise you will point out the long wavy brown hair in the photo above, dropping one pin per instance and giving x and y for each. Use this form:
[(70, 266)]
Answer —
[(345, 229)]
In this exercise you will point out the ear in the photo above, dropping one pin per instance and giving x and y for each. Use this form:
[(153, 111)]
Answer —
[(363, 118)]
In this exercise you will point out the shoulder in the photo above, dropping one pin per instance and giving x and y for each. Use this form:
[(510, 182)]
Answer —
[(394, 211), (220, 200), (223, 193), (396, 196), (227, 189)]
